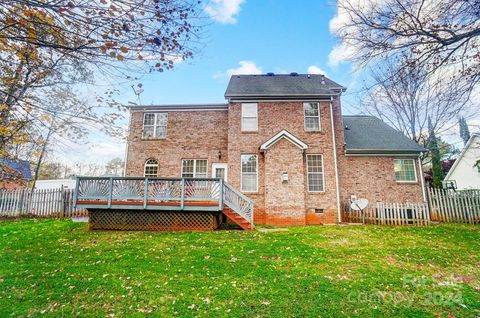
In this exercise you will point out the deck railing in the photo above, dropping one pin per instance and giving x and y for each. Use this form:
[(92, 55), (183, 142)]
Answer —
[(149, 193), (208, 194), (238, 202)]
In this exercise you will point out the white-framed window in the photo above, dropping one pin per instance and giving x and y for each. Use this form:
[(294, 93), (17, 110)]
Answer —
[(155, 125), (311, 113), (249, 117), (249, 173), (315, 175), (151, 168), (405, 170), (194, 168)]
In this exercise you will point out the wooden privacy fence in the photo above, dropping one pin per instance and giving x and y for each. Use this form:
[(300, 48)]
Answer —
[(38, 203), (389, 214), (455, 206)]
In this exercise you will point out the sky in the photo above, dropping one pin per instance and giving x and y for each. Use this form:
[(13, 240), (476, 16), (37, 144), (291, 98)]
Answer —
[(239, 37)]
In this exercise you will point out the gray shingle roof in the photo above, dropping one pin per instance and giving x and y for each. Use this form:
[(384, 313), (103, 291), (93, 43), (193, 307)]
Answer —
[(281, 86), (370, 135)]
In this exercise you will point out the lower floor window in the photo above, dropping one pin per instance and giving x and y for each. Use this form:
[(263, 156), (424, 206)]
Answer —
[(315, 179), (194, 168), (249, 177), (405, 170)]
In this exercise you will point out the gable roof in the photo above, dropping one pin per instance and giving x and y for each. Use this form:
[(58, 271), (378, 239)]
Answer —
[(22, 167), (283, 134), (370, 135), (462, 154), (281, 86)]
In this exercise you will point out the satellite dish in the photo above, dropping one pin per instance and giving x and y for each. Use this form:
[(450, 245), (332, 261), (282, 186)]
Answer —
[(359, 204)]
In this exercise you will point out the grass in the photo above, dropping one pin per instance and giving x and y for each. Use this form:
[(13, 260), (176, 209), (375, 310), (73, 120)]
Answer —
[(60, 268)]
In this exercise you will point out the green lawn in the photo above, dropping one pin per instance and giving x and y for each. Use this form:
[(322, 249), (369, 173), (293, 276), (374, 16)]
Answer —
[(59, 268)]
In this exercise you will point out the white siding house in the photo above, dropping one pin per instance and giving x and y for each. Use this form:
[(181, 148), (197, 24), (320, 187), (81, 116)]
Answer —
[(466, 169)]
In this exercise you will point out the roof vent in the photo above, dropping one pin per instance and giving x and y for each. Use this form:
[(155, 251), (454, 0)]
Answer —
[(308, 76), (322, 82), (294, 74), (270, 74)]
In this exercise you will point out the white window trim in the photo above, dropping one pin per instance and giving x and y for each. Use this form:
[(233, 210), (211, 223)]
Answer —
[(145, 165), (414, 169), (154, 126), (241, 173), (220, 165), (256, 117), (323, 173), (194, 167), (305, 118)]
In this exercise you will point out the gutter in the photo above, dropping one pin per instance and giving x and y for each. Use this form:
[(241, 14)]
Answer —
[(335, 161)]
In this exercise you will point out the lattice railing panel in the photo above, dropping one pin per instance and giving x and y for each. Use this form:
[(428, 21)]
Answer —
[(128, 189), (164, 190), (93, 189)]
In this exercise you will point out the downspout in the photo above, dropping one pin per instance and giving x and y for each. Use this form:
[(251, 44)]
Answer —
[(335, 161), (422, 179)]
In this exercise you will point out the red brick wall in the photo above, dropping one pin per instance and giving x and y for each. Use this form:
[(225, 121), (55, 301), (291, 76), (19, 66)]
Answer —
[(373, 178), (272, 118), (284, 201), (190, 135), (203, 134)]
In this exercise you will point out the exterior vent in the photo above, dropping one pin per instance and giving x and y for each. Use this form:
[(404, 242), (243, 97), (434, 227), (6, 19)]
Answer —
[(270, 74), (294, 74)]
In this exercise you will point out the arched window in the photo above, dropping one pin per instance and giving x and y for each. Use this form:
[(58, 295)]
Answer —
[(151, 168)]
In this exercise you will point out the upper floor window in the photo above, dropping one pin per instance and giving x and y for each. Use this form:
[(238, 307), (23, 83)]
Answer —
[(315, 179), (249, 176), (155, 125), (405, 170), (249, 117), (312, 116), (194, 168), (151, 168)]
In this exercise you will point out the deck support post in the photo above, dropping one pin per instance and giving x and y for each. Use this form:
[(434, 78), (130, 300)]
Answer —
[(182, 196), (220, 198), (145, 193), (110, 192)]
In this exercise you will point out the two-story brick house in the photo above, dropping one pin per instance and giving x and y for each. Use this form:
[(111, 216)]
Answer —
[(283, 142)]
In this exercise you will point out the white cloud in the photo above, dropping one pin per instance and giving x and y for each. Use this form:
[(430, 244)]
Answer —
[(341, 25), (223, 11), (244, 68), (313, 69)]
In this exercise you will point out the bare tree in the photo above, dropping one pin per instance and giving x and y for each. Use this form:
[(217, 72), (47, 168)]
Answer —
[(442, 37)]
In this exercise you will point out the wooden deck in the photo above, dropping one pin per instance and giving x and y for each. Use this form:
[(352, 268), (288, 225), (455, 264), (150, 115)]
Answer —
[(161, 203)]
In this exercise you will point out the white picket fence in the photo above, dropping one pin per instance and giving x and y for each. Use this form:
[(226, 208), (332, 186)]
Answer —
[(38, 203), (389, 214), (455, 206)]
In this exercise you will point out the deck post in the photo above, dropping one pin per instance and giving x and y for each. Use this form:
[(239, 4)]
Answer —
[(182, 195), (145, 193), (77, 181), (220, 199), (110, 192)]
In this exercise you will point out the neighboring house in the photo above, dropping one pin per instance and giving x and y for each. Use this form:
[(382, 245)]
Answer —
[(55, 184), (465, 172), (283, 142), (14, 174)]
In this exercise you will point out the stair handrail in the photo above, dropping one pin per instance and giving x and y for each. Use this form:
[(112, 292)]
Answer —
[(238, 202)]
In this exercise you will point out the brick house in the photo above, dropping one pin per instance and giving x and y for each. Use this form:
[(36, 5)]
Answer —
[(283, 142)]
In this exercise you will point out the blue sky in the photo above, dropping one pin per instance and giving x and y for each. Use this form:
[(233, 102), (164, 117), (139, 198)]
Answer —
[(273, 36), (240, 36)]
